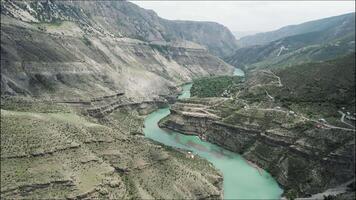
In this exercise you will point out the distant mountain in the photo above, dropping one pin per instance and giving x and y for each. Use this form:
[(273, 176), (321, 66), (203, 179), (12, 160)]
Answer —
[(129, 20), (216, 37), (241, 34), (325, 24), (310, 46), (80, 48)]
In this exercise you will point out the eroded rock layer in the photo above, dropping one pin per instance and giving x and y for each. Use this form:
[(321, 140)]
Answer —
[(55, 150), (79, 49), (77, 78), (304, 141)]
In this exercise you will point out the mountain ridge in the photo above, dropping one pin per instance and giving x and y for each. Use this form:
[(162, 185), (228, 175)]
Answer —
[(107, 43), (309, 26), (309, 46)]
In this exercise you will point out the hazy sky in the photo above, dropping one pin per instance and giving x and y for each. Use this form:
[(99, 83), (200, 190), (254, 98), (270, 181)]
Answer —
[(249, 15)]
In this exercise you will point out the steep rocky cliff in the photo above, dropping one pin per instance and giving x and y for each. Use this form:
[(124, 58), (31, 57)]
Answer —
[(54, 150), (77, 78), (216, 37), (293, 127), (81, 48)]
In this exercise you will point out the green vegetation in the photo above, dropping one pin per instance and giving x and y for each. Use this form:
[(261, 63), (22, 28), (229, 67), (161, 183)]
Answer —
[(332, 81), (164, 49), (43, 26), (291, 194), (215, 86), (98, 158), (86, 41), (24, 104)]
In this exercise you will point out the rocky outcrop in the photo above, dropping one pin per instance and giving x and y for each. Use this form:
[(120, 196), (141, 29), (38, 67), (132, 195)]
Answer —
[(57, 152), (306, 155), (215, 37), (143, 107), (302, 158)]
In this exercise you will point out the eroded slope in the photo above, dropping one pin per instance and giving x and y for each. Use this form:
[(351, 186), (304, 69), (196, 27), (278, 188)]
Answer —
[(50, 150), (291, 122), (78, 49)]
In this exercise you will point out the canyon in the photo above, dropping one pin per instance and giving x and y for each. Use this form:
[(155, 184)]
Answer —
[(80, 80), (279, 131)]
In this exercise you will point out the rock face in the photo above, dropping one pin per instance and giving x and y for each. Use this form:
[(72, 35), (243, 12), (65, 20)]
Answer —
[(303, 159), (299, 139), (59, 152), (216, 37), (146, 25), (77, 78), (83, 48)]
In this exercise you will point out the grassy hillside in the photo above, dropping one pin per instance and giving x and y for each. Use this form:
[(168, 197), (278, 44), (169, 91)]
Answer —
[(330, 81), (316, 88), (215, 86), (52, 151)]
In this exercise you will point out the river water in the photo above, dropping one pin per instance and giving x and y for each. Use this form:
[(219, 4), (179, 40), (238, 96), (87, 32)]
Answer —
[(241, 180), (238, 72)]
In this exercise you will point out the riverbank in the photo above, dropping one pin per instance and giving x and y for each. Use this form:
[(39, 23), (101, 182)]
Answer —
[(241, 180), (103, 157), (303, 157)]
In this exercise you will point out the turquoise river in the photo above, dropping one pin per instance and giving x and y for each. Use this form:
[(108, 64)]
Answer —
[(241, 179)]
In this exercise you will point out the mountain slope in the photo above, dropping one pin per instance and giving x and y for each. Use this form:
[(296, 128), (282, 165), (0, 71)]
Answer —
[(216, 37), (81, 48), (148, 26), (77, 78), (336, 22), (301, 48), (52, 151), (291, 122), (331, 81)]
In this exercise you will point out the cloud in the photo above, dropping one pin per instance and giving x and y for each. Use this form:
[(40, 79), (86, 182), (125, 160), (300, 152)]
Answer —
[(249, 15)]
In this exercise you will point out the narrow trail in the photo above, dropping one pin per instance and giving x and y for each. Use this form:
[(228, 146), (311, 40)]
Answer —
[(281, 49), (326, 125), (331, 191), (274, 75), (219, 103), (342, 119), (269, 96)]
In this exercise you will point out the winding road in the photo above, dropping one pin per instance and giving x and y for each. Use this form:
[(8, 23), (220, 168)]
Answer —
[(342, 119)]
